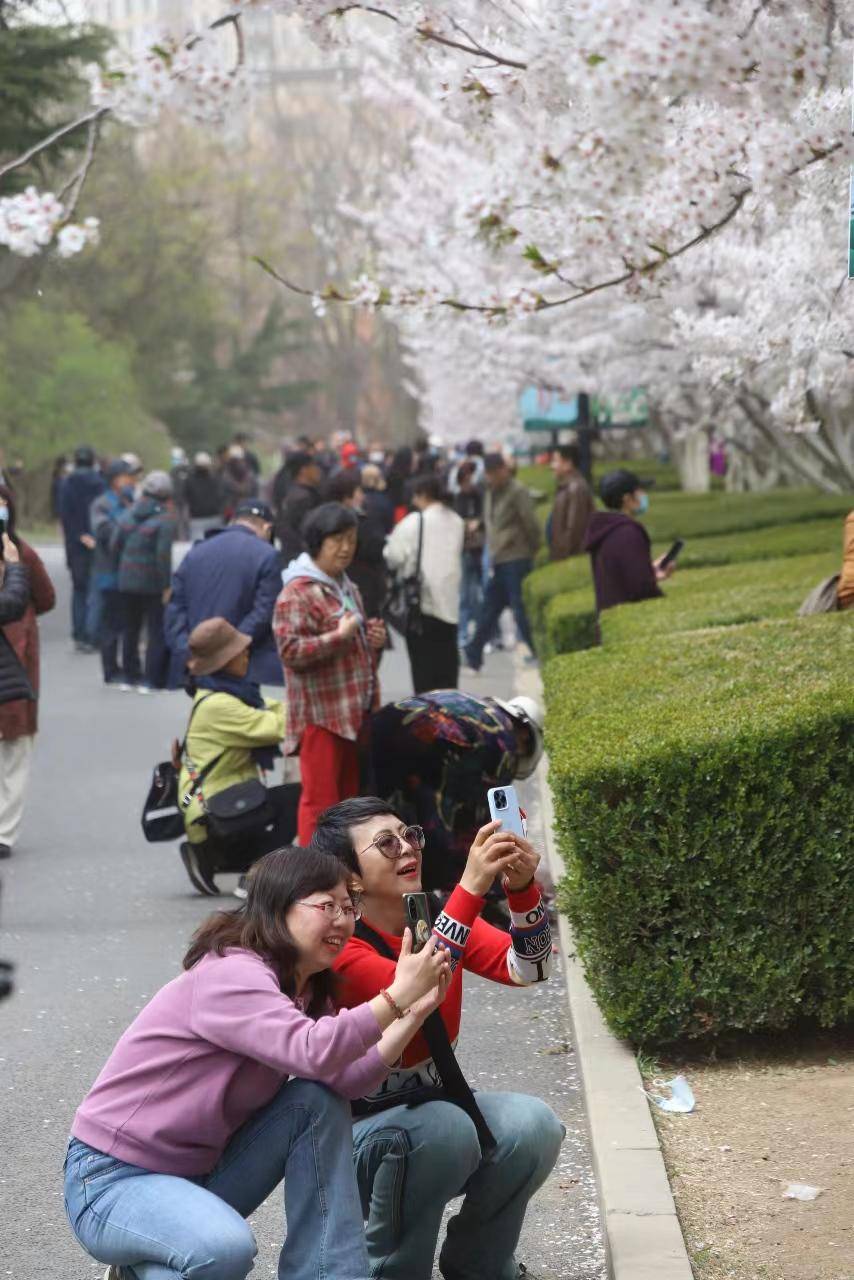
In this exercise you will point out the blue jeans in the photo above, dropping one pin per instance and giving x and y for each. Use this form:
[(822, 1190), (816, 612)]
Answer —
[(503, 589), (80, 567), (410, 1161), (161, 1227), (471, 594)]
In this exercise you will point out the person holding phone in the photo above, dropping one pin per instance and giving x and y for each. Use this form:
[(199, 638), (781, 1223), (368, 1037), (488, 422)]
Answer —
[(417, 1141), (619, 545), (233, 1078)]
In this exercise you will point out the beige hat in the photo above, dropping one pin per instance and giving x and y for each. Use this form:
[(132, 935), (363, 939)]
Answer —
[(213, 643)]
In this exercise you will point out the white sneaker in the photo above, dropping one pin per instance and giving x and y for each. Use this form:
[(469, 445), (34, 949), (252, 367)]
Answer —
[(113, 1273), (144, 688)]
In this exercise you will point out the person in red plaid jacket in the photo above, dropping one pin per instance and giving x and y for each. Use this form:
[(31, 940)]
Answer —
[(329, 651)]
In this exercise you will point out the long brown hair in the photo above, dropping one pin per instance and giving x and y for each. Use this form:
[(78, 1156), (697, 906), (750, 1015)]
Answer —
[(276, 882)]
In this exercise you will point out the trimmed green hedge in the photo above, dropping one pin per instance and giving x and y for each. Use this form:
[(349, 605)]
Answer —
[(569, 623), (697, 515), (665, 474), (721, 597), (705, 811), (797, 539)]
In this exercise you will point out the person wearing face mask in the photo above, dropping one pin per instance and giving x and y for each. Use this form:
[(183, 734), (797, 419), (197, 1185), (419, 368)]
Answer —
[(106, 614), (619, 545), (328, 647), (22, 575)]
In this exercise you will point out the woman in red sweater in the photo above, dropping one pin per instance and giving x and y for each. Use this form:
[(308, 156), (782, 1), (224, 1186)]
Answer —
[(419, 1141), (19, 719)]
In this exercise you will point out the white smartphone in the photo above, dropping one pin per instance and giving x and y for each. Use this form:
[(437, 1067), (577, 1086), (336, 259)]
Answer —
[(504, 808)]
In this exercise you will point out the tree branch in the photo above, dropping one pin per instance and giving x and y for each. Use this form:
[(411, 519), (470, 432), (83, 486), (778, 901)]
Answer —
[(97, 114)]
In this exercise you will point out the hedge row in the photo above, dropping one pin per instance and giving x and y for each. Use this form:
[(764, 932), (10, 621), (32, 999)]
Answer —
[(705, 811), (565, 576)]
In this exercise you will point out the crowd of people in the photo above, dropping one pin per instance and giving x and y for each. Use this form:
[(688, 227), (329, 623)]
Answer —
[(310, 1037)]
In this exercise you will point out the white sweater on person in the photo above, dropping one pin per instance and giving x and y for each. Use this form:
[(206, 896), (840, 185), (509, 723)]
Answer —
[(441, 558)]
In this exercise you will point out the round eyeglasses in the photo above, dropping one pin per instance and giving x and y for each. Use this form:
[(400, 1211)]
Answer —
[(394, 846), (334, 910)]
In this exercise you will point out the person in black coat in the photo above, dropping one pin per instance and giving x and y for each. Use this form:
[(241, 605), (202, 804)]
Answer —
[(619, 545), (302, 496), (233, 573), (79, 491)]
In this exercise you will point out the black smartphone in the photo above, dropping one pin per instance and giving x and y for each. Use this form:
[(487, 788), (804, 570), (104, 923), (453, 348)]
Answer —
[(671, 554), (418, 918)]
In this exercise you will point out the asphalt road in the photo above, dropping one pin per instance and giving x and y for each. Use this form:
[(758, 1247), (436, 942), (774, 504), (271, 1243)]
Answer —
[(96, 921)]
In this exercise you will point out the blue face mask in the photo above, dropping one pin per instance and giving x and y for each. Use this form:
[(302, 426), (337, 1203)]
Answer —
[(127, 490), (4, 515), (643, 504)]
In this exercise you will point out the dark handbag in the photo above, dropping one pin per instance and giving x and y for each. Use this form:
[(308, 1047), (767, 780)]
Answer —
[(163, 811), (237, 810), (403, 610)]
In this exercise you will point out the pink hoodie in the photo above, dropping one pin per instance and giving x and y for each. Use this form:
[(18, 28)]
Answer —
[(210, 1049)]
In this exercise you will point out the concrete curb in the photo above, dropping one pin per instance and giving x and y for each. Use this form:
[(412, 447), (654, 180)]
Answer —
[(643, 1238)]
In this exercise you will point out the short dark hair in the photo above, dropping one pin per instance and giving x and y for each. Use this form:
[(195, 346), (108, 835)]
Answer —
[(494, 462), (569, 453), (474, 449), (343, 485), (276, 882), (296, 461), (325, 521), (332, 832), (431, 486)]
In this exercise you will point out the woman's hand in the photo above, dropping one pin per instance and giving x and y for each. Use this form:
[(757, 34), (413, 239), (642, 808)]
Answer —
[(522, 871), (492, 854), (376, 633), (421, 1010), (348, 625), (10, 551), (418, 973)]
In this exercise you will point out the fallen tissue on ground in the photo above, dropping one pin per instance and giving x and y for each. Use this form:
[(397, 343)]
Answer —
[(681, 1095), (801, 1191)]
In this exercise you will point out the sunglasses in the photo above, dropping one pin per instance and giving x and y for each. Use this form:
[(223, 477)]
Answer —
[(392, 846)]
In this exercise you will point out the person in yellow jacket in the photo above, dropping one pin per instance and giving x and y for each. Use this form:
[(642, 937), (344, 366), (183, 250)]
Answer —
[(233, 736)]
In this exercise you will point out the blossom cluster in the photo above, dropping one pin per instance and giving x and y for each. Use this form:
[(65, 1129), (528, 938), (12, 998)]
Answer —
[(32, 220), (180, 71)]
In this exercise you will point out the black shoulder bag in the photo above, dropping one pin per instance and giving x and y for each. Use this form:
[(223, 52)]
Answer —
[(163, 811), (455, 1088), (403, 610)]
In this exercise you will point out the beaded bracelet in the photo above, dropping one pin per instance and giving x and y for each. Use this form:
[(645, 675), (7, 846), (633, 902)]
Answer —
[(392, 1003)]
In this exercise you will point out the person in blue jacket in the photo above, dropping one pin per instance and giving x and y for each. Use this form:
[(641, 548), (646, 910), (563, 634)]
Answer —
[(78, 492), (234, 573)]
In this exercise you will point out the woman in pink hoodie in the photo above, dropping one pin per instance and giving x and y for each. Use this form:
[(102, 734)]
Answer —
[(234, 1077)]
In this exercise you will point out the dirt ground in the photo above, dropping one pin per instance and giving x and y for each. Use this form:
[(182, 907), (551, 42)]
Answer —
[(767, 1115)]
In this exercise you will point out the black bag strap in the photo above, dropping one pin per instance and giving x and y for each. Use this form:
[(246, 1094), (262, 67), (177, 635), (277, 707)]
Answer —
[(457, 1088), (420, 545), (187, 797)]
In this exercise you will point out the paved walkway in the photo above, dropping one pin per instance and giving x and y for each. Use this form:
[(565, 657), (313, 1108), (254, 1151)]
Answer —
[(96, 920)]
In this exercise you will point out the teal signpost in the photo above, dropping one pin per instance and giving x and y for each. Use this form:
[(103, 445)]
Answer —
[(543, 410)]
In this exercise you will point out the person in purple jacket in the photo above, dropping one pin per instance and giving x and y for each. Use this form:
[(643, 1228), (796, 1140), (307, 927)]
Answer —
[(234, 1077), (619, 545)]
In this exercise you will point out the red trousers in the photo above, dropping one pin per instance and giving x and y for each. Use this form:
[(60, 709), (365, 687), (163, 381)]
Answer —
[(329, 766)]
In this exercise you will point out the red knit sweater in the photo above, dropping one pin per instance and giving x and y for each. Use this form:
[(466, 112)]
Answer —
[(518, 959)]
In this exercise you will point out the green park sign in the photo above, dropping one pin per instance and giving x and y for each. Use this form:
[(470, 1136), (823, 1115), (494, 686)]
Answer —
[(546, 410)]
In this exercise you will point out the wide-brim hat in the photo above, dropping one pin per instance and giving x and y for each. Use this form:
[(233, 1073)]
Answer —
[(212, 644)]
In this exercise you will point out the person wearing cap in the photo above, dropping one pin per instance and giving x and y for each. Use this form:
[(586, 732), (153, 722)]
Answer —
[(144, 538), (106, 613), (573, 504), (203, 493), (513, 535), (436, 754), (233, 736), (619, 545), (233, 573), (78, 492)]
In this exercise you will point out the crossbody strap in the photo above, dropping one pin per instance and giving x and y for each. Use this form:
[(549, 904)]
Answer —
[(456, 1086), (196, 778)]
